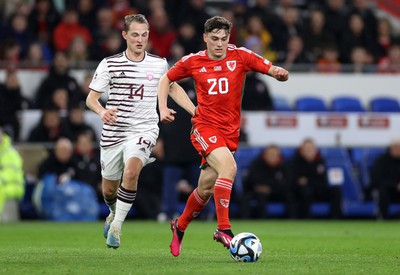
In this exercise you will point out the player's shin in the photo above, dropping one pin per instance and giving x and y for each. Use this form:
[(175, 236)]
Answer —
[(222, 195), (194, 205)]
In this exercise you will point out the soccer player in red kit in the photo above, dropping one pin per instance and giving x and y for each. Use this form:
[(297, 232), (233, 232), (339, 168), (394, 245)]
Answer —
[(219, 73)]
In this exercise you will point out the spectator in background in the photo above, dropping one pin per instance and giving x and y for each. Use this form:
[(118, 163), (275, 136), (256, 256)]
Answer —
[(42, 21), (254, 28), (12, 185), (266, 181), (295, 53), (77, 125), (355, 35), (336, 14), (196, 12), (87, 159), (329, 60), (60, 161), (361, 61), (364, 9), (391, 62), (104, 29), (385, 37), (316, 37), (69, 28), (38, 57), (292, 25), (188, 38), (163, 33), (19, 32), (309, 181), (256, 96), (10, 51), (385, 177), (50, 128), (87, 13), (78, 53), (60, 100), (57, 77), (11, 101), (120, 8)]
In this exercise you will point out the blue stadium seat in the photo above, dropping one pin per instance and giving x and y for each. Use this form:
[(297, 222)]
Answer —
[(384, 104), (281, 104), (340, 171), (310, 104), (363, 158), (244, 157), (347, 104)]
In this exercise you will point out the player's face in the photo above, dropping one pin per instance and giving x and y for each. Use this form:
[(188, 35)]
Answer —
[(217, 43), (136, 38)]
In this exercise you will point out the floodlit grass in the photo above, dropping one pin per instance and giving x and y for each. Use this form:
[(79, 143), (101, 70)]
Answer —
[(289, 247)]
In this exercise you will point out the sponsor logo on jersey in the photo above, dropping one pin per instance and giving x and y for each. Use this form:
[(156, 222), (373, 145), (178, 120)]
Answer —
[(143, 150), (203, 70), (224, 203), (103, 165), (150, 76), (218, 68), (213, 139), (122, 74), (231, 64)]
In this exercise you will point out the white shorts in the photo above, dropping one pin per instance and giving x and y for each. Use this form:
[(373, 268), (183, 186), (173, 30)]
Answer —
[(113, 159)]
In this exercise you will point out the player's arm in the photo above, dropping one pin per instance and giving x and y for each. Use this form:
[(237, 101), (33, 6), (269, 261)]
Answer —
[(278, 73), (179, 95), (165, 88), (108, 116)]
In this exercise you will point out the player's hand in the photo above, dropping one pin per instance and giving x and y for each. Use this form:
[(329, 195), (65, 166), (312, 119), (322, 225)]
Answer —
[(167, 115), (279, 73), (109, 116)]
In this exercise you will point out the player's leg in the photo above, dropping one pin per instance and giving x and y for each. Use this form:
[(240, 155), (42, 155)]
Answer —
[(196, 202), (136, 154), (111, 171), (109, 190), (221, 159)]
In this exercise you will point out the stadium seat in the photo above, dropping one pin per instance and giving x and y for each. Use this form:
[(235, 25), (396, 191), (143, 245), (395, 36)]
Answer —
[(347, 104), (340, 171), (384, 104), (363, 158), (281, 104), (244, 157), (310, 104)]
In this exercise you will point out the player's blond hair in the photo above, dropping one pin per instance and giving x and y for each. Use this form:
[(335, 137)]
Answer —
[(138, 18), (217, 23)]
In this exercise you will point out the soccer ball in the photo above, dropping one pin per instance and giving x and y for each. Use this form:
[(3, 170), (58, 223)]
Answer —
[(245, 247)]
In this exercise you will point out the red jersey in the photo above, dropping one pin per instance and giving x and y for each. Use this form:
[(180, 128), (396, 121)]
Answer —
[(219, 85)]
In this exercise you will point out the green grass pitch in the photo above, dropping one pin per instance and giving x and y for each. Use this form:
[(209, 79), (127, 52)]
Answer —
[(289, 247)]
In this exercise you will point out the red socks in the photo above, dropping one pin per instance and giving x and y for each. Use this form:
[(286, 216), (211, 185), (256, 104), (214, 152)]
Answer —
[(222, 196), (194, 205)]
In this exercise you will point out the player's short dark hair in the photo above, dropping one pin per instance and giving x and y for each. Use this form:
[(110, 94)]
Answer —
[(138, 18), (217, 23)]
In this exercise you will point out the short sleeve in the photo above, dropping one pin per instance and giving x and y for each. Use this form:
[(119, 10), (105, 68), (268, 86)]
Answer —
[(101, 79)]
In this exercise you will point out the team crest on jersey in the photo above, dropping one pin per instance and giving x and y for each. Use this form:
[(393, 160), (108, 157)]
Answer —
[(213, 139), (231, 64), (150, 76)]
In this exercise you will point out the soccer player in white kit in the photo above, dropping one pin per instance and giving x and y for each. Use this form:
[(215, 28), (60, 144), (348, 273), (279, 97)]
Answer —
[(130, 119)]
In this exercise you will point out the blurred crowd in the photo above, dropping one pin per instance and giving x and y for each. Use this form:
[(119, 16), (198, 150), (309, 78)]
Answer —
[(326, 33)]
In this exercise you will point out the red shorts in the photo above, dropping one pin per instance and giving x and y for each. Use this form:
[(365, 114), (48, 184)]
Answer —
[(206, 138)]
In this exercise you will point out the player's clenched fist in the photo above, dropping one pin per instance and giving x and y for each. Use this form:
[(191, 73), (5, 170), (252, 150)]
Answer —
[(278, 73), (167, 115)]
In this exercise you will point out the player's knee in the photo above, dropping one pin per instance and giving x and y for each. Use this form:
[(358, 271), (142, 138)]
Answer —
[(109, 192), (230, 171), (130, 176)]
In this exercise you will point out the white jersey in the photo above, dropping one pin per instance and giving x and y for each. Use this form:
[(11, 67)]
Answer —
[(132, 89)]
